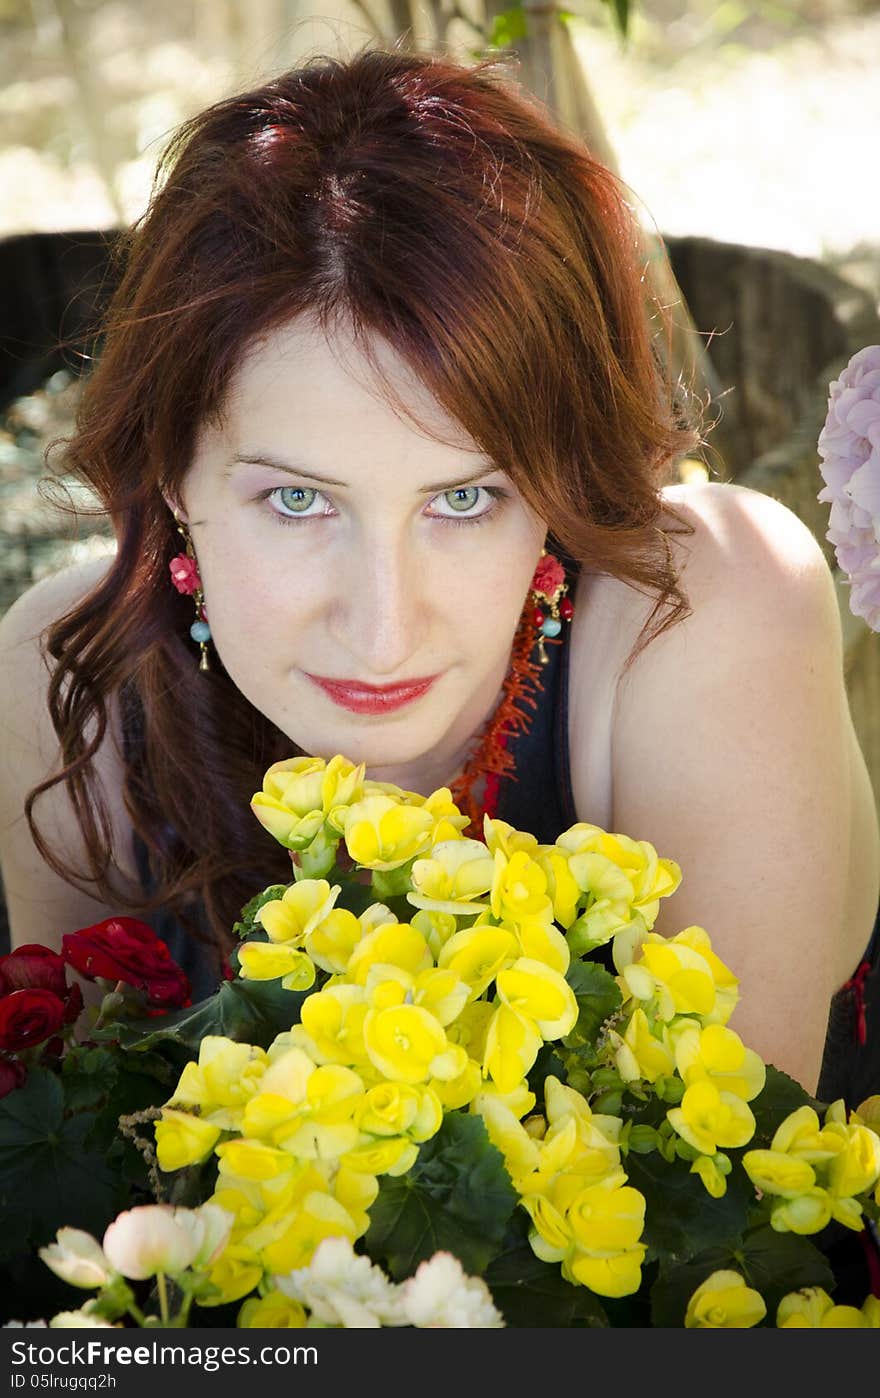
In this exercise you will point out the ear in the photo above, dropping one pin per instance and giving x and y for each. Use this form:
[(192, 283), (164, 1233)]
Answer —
[(175, 507)]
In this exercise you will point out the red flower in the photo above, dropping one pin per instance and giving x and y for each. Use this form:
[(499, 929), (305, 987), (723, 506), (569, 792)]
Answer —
[(12, 1075), (35, 967), (28, 1017), (185, 574), (124, 949), (548, 577)]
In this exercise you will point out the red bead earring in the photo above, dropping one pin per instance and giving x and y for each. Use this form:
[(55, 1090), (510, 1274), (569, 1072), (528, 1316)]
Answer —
[(553, 607)]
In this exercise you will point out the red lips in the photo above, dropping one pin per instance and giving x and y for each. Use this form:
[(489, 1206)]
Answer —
[(362, 698)]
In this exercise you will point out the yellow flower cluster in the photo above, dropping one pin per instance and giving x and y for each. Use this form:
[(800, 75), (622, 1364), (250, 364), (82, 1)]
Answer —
[(446, 1011), (405, 1021), (565, 1165), (725, 1301), (813, 1172)]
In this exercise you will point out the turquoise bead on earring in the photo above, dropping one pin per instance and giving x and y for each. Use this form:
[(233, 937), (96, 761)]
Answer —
[(200, 631), (551, 626)]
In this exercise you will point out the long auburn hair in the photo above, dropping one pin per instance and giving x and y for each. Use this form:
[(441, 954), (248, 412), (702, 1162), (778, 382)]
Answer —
[(428, 203)]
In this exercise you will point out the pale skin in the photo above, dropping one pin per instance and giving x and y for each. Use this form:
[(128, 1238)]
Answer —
[(728, 744)]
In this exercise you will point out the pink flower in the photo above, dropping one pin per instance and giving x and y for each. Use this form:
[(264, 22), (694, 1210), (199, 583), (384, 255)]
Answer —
[(548, 576), (849, 445), (185, 574)]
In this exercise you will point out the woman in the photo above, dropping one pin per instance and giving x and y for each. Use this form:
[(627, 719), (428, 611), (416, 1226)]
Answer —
[(379, 340)]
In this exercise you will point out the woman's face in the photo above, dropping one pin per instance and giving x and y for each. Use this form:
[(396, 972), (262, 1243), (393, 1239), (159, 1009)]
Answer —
[(342, 551)]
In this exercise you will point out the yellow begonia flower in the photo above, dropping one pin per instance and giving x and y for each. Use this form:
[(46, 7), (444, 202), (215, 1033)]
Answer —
[(317, 1216), (857, 1166), (618, 1274), (871, 1312), (724, 1302), (715, 1183), (393, 1155), (461, 1090), (708, 1119), (356, 1191), (607, 1217), (716, 1054), (406, 1043), (541, 994), (498, 835), (183, 1139), (394, 944), (813, 1309), (540, 940), (381, 833), (226, 1075), (331, 1028), (867, 1113), (519, 888), (726, 983), (299, 911), (512, 1045), (550, 1238), (274, 1311), (477, 955), (263, 961), (801, 1135), (640, 1053), (253, 1160), (400, 1109), (436, 928), (507, 1133), (454, 878), (332, 942), (677, 976), (774, 1172), (810, 1212), (563, 889), (236, 1272)]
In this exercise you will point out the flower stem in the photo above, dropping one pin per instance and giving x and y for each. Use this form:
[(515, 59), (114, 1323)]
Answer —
[(163, 1297)]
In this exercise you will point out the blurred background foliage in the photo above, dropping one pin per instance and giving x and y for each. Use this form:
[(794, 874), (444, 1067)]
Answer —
[(748, 122)]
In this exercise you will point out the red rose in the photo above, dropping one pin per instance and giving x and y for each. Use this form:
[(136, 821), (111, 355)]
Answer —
[(124, 949), (28, 1017), (12, 1075), (35, 967), (548, 576)]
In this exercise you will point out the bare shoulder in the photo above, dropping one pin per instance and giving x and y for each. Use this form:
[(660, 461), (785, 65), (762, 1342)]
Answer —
[(38, 901), (745, 544), (47, 600)]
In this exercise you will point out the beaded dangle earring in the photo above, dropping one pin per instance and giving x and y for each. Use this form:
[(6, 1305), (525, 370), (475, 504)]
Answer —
[(548, 591), (185, 577)]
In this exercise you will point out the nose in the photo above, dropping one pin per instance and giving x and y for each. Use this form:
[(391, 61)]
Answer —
[(379, 616)]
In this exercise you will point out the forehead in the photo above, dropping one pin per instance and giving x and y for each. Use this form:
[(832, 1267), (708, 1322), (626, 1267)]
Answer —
[(324, 384)]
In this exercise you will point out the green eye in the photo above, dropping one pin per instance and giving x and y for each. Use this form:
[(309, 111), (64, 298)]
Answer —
[(463, 498), (296, 499)]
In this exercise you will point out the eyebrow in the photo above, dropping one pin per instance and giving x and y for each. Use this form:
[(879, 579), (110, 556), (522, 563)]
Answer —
[(293, 468)]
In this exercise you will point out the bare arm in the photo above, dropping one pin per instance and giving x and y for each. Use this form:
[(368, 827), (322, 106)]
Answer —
[(41, 905), (734, 754)]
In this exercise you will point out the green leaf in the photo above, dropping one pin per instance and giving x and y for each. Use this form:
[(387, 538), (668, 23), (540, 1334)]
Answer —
[(250, 1012), (508, 28), (771, 1263), (46, 1169), (530, 1293), (457, 1197), (682, 1218), (620, 12), (598, 996), (247, 921), (779, 1096)]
